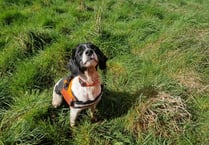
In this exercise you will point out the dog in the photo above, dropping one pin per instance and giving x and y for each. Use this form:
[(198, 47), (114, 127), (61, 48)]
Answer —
[(83, 88)]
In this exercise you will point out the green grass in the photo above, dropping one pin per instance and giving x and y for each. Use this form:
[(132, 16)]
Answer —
[(155, 49)]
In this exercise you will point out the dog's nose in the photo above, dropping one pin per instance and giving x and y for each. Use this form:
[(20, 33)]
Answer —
[(89, 52)]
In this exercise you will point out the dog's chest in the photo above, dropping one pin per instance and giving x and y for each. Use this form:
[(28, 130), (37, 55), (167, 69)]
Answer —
[(85, 93)]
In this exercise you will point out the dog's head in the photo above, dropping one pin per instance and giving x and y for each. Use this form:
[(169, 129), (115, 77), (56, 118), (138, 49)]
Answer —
[(84, 56)]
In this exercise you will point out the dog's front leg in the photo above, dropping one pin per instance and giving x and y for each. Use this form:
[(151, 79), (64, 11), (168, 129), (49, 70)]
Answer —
[(56, 100), (92, 113), (73, 115)]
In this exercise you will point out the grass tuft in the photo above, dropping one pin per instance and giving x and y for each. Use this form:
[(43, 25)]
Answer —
[(35, 41), (12, 17), (162, 114)]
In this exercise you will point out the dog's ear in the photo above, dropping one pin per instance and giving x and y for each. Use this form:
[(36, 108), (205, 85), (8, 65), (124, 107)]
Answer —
[(72, 65), (73, 53), (102, 58)]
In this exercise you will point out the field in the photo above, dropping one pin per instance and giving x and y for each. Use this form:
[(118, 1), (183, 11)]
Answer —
[(156, 83)]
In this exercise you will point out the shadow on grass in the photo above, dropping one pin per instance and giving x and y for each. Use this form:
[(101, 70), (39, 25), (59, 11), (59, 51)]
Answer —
[(117, 104), (114, 104)]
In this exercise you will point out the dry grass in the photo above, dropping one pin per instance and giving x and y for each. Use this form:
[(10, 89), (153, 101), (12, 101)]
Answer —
[(191, 80), (164, 114)]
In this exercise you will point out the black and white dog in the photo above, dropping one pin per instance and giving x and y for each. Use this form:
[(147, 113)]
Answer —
[(83, 88)]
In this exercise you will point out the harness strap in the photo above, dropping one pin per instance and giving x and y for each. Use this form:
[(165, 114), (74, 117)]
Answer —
[(81, 104), (71, 99)]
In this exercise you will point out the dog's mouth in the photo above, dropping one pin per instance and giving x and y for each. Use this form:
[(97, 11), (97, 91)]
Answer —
[(91, 59)]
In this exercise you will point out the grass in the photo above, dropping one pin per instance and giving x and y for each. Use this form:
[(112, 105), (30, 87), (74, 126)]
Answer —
[(156, 84)]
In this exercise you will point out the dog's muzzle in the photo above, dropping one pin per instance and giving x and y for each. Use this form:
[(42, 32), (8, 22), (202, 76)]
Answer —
[(89, 55)]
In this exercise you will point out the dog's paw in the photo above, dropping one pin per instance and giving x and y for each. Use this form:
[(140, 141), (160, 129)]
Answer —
[(94, 119), (72, 124), (55, 105)]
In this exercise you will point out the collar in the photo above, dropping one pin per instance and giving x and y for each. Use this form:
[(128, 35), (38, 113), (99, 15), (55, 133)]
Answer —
[(85, 84)]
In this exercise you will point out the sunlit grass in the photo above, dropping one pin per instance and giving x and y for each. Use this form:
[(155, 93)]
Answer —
[(156, 83)]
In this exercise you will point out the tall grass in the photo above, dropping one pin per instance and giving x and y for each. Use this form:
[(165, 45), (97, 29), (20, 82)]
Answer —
[(156, 83)]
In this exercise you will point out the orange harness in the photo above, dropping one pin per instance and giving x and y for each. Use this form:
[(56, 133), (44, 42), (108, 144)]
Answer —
[(71, 99), (68, 94)]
